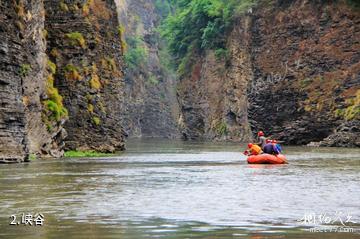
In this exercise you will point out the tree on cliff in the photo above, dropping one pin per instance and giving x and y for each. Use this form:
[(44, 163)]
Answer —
[(197, 25)]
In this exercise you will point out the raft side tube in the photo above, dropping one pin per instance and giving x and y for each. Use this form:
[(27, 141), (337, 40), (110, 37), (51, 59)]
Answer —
[(267, 159)]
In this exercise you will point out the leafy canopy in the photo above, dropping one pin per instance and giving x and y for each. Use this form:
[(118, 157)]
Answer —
[(201, 24)]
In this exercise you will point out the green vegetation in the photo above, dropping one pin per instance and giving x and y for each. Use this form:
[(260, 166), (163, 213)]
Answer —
[(54, 53), (221, 54), (352, 111), (96, 120), (305, 82), (109, 63), (77, 154), (354, 3), (51, 66), (57, 112), (95, 82), (136, 55), (121, 31), (54, 107), (90, 108), (45, 33), (153, 80), (24, 70), (64, 7), (32, 157), (166, 63), (221, 128), (165, 7), (76, 38), (198, 25), (86, 8), (72, 72)]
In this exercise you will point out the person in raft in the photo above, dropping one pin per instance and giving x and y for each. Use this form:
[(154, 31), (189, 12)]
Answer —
[(277, 146), (253, 149), (261, 139), (270, 148)]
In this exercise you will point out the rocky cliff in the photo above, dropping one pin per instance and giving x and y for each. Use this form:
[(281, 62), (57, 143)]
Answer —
[(12, 115), (292, 70), (84, 43), (60, 61), (151, 104), (23, 88), (306, 61), (213, 97)]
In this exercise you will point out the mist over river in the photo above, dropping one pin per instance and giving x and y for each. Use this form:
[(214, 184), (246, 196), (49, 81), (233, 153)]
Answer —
[(175, 189)]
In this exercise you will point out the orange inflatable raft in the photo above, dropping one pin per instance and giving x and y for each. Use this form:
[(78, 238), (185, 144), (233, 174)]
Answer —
[(267, 159)]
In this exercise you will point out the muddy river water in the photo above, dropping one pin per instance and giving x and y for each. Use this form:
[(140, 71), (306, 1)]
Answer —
[(174, 189)]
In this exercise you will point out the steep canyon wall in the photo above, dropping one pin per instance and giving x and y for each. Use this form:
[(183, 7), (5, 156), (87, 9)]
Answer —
[(84, 42), (61, 79), (292, 70)]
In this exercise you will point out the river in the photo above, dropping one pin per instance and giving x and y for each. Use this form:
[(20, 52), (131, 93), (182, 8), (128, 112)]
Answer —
[(174, 189)]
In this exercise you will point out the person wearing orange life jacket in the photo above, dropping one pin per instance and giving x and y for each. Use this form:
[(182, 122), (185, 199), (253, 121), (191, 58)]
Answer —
[(253, 149), (261, 139)]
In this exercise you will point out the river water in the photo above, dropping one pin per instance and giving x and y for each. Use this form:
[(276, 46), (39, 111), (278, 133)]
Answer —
[(174, 189)]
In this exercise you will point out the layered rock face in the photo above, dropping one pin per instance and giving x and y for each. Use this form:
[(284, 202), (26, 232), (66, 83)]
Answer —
[(67, 46), (151, 104), (84, 42), (306, 70), (23, 89), (292, 71), (213, 98), (12, 115)]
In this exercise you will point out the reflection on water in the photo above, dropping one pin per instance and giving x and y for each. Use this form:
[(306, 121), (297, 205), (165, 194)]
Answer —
[(182, 189)]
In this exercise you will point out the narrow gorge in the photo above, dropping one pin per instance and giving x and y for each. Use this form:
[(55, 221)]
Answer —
[(85, 74), (151, 107)]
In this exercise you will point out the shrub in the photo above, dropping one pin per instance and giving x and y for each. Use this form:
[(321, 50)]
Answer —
[(24, 70), (90, 108), (55, 53), (163, 7), (153, 80), (51, 66), (76, 38), (95, 82), (221, 128), (55, 102), (165, 58), (57, 111), (201, 24), (121, 31), (221, 54), (72, 72), (353, 110), (45, 33), (32, 157), (96, 120), (108, 64), (305, 82), (136, 54), (64, 7)]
